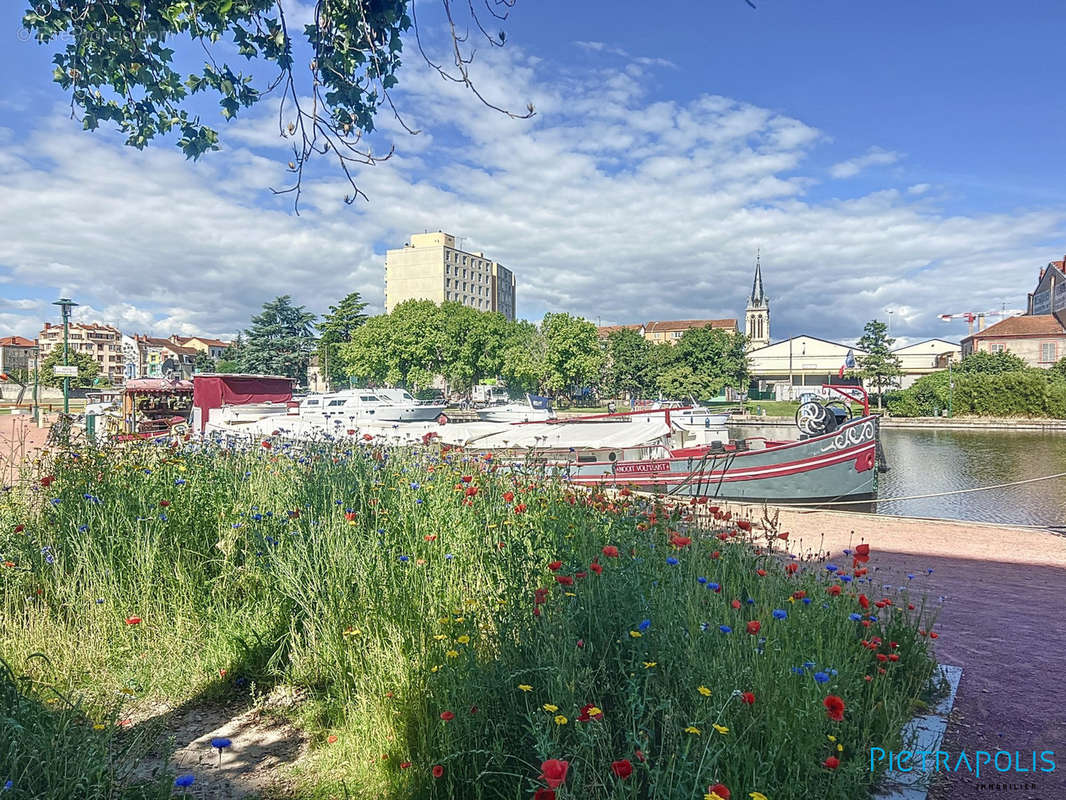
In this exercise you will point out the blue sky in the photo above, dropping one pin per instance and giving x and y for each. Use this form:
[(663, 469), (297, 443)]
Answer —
[(903, 156)]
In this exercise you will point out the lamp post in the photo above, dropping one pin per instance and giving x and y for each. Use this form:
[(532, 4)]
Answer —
[(65, 304)]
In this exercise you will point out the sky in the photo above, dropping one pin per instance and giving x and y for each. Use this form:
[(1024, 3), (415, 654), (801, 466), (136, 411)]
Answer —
[(888, 160)]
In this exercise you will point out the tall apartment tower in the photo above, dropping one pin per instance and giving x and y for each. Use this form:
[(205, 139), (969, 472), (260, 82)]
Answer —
[(757, 315), (431, 267)]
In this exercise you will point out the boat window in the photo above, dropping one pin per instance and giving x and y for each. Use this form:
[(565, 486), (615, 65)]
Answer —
[(586, 459), (339, 402), (311, 402), (406, 396), (369, 398)]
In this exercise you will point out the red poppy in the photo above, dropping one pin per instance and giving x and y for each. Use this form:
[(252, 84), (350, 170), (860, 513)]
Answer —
[(471, 491), (861, 555), (783, 536), (508, 497), (791, 568), (20, 528), (266, 445), (133, 620), (715, 554), (681, 541), (720, 790), (581, 574), (553, 772), (893, 656), (596, 568), (864, 602), (565, 580), (754, 626), (882, 657), (584, 716), (933, 635), (46, 481), (834, 708), (555, 565), (799, 595), (331, 738), (860, 572), (438, 771), (610, 551), (164, 503), (473, 709), (743, 524), (623, 769), (521, 507), (580, 642), (405, 764), (748, 698), (833, 590), (350, 516), (540, 596), (761, 573), (831, 763), (544, 794), (467, 478), (367, 437), (639, 754), (736, 604), (447, 716)]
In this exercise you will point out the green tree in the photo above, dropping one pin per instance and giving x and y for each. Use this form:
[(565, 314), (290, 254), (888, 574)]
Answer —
[(573, 356), (716, 358), (88, 369), (203, 362), (337, 328), (523, 357), (627, 363), (280, 340), (1057, 371), (119, 67), (879, 365), (990, 363)]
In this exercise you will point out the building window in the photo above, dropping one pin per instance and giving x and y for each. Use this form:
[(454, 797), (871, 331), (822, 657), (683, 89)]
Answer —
[(1047, 352), (995, 347)]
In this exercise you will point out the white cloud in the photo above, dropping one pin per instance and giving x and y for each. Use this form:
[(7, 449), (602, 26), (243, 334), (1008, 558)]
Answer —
[(875, 156), (613, 202)]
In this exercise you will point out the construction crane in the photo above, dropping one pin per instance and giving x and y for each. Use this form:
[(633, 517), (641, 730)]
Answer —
[(970, 316)]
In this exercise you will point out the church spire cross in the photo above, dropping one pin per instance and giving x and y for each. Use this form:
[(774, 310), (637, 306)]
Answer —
[(758, 296)]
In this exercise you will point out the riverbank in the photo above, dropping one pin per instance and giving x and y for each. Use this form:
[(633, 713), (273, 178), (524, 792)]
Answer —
[(926, 423), (999, 585)]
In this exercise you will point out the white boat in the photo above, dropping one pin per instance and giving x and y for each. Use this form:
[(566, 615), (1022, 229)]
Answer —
[(691, 416), (535, 409), (350, 407)]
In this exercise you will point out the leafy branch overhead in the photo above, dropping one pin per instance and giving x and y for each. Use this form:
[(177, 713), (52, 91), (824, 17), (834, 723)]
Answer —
[(119, 67)]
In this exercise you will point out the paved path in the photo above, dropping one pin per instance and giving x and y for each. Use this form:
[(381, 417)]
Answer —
[(1002, 621), (20, 439)]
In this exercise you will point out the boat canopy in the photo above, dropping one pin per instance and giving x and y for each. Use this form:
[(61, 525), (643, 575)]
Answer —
[(157, 386), (216, 390)]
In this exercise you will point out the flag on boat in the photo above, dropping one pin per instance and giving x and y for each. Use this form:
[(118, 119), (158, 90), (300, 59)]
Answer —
[(849, 363), (538, 402)]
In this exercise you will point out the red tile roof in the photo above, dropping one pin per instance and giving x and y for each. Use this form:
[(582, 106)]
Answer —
[(685, 324), (1034, 325), (17, 341), (607, 330)]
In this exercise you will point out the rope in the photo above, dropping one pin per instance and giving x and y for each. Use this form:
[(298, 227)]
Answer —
[(942, 494)]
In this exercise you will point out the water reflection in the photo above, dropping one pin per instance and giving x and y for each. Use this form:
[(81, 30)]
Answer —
[(929, 462)]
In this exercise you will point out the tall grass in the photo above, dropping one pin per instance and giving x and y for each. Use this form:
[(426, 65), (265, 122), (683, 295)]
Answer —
[(399, 585)]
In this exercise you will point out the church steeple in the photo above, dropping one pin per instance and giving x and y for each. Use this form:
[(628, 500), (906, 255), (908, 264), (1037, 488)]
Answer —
[(757, 315)]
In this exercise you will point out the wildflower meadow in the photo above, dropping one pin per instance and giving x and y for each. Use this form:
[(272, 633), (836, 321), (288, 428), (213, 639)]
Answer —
[(456, 629)]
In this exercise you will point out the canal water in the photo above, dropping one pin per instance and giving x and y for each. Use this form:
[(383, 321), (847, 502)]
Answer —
[(928, 462)]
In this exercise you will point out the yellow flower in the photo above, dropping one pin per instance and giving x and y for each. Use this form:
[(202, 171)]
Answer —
[(460, 619), (435, 669), (464, 639), (99, 726), (452, 654), (712, 796), (594, 711), (840, 748), (722, 729), (560, 719), (831, 737), (704, 691), (126, 690), (525, 687), (570, 594), (443, 620), (649, 664), (440, 637), (635, 634), (551, 709), (693, 729), (757, 796)]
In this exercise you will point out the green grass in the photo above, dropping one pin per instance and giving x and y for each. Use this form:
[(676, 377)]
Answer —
[(394, 587)]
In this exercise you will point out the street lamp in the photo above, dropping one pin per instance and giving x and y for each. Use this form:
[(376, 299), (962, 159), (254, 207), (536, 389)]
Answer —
[(65, 304)]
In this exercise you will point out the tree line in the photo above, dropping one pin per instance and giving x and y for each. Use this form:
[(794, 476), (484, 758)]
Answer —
[(419, 341)]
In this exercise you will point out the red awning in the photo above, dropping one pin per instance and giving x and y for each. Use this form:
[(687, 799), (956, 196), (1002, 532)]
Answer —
[(158, 386), (215, 391)]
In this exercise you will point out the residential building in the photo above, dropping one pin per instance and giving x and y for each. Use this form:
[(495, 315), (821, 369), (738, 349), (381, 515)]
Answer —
[(102, 342), (432, 267), (152, 357), (757, 314), (923, 358), (215, 348), (669, 331), (16, 354), (798, 365), (1039, 335)]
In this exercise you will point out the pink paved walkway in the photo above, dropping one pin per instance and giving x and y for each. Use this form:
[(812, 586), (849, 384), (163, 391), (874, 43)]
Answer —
[(1002, 622), (20, 439)]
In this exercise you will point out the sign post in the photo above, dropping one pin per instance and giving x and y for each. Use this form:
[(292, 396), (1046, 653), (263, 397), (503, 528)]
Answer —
[(65, 304)]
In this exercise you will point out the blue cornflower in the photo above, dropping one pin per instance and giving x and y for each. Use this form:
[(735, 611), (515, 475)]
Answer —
[(929, 571), (821, 677), (99, 600), (339, 502), (714, 587), (701, 579), (7, 785), (910, 577), (415, 485), (798, 671), (671, 560), (163, 516), (780, 613), (56, 500), (220, 742), (405, 558), (184, 781), (418, 501), (845, 578), (847, 551), (257, 517), (750, 601), (725, 629), (704, 626), (83, 528), (449, 556), (806, 601), (873, 619), (831, 567), (808, 664), (644, 625), (854, 617), (179, 481), (236, 524)]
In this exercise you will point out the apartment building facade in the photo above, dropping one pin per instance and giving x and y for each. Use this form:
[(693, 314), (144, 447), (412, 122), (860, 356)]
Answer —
[(102, 342), (215, 348), (669, 331), (16, 354), (432, 267)]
